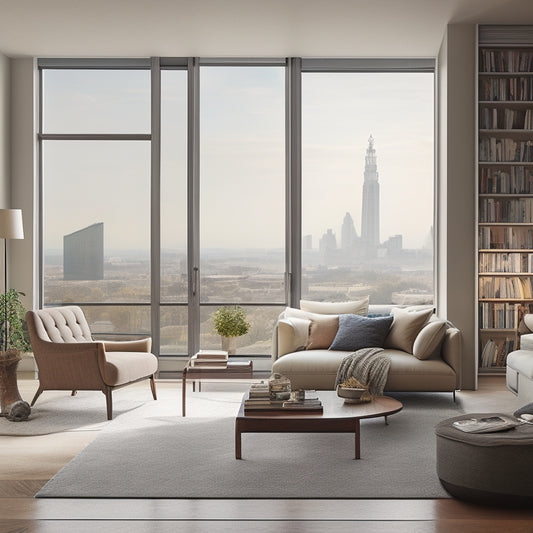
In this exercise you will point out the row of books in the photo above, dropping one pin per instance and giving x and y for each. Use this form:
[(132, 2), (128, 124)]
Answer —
[(505, 60), (494, 353), (501, 150), (518, 180), (505, 288), (496, 315), (502, 238), (519, 89), (259, 399), (513, 262), (509, 119), (506, 210)]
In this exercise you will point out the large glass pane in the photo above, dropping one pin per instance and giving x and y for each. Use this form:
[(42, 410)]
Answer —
[(367, 192), (96, 101), (118, 322), (242, 184), (258, 340), (96, 221), (173, 330)]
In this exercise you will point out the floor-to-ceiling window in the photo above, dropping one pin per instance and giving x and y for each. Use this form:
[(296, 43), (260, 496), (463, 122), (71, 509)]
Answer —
[(242, 198), (367, 183), (95, 157), (218, 168)]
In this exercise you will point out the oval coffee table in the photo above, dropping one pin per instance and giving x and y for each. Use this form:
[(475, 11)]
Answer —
[(337, 417)]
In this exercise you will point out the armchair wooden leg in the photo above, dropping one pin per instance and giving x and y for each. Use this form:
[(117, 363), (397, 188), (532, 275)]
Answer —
[(73, 393), (109, 402), (37, 394), (152, 386)]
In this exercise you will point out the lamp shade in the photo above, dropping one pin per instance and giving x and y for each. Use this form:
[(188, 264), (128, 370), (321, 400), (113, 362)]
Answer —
[(11, 224)]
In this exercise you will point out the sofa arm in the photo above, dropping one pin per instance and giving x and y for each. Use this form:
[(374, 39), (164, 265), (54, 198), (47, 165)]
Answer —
[(292, 335), (452, 352)]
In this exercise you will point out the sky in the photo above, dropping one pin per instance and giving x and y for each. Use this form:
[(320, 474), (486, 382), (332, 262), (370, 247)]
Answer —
[(242, 161)]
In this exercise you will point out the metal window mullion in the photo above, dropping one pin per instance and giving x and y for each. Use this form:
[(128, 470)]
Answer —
[(155, 205), (193, 203), (294, 180)]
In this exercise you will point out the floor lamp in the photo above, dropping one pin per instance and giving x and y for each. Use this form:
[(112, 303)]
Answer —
[(10, 228)]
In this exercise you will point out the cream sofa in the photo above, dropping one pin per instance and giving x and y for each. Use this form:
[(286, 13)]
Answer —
[(439, 370)]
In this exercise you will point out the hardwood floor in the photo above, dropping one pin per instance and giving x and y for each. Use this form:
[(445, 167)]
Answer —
[(26, 463)]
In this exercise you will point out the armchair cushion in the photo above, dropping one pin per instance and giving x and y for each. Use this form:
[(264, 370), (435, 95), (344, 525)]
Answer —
[(124, 367)]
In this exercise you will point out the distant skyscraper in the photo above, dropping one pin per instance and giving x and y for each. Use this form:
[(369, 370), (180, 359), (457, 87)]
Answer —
[(307, 243), (348, 233), (370, 216), (83, 253), (328, 242)]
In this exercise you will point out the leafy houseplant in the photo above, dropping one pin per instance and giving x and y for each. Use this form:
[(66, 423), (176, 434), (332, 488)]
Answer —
[(230, 323), (14, 341), (14, 335)]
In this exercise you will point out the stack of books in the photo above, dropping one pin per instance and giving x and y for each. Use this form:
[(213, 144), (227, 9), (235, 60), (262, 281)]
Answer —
[(259, 400), (210, 359)]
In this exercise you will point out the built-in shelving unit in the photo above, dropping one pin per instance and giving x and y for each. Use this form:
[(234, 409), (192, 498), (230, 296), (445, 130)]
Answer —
[(505, 195)]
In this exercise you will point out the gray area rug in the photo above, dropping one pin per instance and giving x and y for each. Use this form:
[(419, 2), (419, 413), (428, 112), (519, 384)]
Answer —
[(150, 454), (57, 411)]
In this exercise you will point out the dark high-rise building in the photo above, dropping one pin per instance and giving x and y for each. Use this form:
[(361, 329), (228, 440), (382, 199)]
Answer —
[(370, 215), (83, 253)]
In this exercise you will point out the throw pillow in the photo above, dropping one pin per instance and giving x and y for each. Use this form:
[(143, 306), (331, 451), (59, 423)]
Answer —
[(429, 339), (322, 331), (356, 307), (405, 327), (357, 332)]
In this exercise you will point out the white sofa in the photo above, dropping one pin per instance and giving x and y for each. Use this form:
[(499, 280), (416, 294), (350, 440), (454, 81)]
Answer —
[(439, 370), (519, 371)]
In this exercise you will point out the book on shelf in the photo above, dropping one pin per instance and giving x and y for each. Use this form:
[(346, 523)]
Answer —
[(487, 424), (495, 353)]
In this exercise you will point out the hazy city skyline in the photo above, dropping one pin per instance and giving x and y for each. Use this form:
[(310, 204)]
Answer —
[(242, 145)]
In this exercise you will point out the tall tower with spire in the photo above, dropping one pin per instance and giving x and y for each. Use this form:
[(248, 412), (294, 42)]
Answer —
[(370, 214)]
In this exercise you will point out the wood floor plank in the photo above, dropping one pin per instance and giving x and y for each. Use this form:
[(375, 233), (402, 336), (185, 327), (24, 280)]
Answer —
[(20, 488)]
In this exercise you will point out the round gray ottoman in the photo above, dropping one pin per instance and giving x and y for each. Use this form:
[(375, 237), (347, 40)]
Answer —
[(486, 468)]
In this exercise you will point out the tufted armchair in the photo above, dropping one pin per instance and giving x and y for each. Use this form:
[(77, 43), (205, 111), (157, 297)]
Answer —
[(69, 359)]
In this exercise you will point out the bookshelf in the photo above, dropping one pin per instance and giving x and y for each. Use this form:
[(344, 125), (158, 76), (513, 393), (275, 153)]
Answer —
[(505, 196)]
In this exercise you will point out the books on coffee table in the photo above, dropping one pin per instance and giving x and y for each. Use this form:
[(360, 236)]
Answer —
[(259, 400), (210, 359)]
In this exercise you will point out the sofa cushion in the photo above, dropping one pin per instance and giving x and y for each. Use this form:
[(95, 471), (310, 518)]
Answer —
[(356, 307), (405, 328), (357, 332), (429, 339), (322, 331)]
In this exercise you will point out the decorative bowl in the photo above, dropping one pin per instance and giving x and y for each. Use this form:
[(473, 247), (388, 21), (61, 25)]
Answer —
[(350, 394)]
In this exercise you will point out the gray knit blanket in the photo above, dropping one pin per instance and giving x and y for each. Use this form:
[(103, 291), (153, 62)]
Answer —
[(370, 366)]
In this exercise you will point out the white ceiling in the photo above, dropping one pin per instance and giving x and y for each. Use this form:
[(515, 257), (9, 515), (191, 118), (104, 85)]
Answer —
[(254, 28)]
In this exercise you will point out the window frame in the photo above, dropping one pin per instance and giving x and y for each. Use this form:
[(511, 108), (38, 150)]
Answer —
[(294, 67)]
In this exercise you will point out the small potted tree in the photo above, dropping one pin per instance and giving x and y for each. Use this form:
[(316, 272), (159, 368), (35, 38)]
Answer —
[(230, 323), (14, 343)]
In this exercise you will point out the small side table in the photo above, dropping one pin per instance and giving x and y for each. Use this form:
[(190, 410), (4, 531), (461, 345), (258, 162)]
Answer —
[(234, 371)]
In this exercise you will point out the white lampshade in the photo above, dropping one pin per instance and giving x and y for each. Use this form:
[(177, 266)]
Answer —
[(11, 224)]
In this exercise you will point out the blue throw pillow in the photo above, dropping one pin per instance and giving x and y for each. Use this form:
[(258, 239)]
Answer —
[(357, 332)]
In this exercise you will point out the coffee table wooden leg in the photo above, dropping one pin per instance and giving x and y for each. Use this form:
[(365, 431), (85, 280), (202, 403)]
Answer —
[(357, 439), (237, 440), (183, 391)]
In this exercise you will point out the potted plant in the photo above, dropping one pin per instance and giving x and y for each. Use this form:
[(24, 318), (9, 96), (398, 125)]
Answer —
[(230, 322), (14, 341)]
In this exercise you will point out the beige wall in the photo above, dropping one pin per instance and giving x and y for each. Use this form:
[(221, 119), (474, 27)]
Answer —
[(4, 130), (456, 211), (23, 256)]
